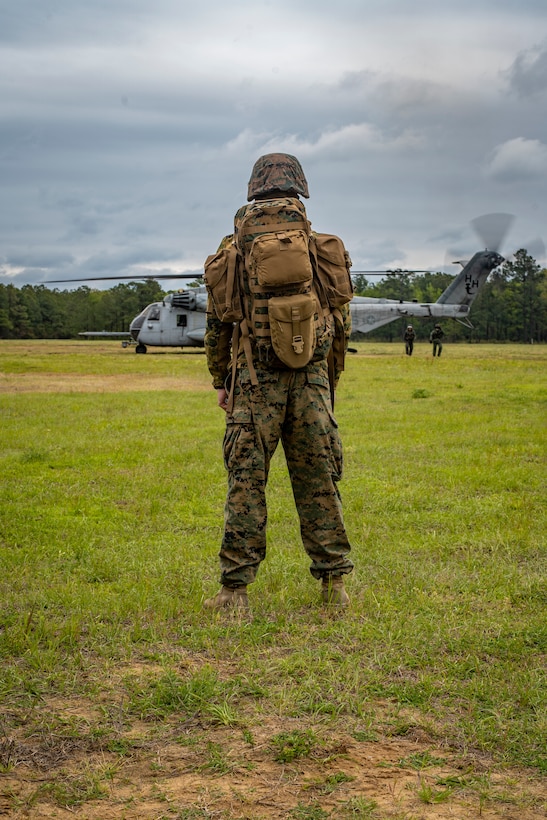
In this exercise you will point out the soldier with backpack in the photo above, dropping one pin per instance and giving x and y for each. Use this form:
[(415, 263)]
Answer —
[(278, 324)]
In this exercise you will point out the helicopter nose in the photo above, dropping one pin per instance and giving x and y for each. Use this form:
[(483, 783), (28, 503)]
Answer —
[(135, 326)]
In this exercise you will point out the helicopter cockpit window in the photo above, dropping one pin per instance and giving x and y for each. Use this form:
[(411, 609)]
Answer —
[(182, 320), (154, 314)]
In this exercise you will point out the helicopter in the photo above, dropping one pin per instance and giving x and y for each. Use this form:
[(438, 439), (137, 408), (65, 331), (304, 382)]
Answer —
[(369, 313), (179, 319)]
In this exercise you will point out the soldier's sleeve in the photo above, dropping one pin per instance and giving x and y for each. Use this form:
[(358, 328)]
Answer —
[(218, 337), (226, 242)]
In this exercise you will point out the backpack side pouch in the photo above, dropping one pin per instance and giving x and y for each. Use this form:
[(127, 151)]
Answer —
[(221, 279), (292, 328), (332, 267)]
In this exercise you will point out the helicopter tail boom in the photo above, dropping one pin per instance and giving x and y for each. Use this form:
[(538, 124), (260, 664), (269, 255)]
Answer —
[(465, 287)]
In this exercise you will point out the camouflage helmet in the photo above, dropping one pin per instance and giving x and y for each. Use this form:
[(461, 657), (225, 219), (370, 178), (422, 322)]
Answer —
[(277, 173)]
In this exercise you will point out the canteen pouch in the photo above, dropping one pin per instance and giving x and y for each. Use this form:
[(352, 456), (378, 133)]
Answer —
[(292, 328)]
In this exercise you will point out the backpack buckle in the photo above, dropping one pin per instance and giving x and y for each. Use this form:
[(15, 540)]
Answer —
[(298, 344)]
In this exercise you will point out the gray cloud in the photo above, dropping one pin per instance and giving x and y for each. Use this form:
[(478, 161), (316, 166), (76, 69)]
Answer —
[(37, 259), (129, 130), (519, 159), (528, 73)]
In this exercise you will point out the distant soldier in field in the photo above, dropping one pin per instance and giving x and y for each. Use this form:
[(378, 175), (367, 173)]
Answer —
[(435, 338), (409, 337), (267, 399)]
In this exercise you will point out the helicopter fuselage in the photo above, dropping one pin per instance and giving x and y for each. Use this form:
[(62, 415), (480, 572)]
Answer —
[(177, 321), (369, 313)]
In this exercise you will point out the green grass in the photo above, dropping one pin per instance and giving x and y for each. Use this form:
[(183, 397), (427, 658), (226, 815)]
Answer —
[(111, 517)]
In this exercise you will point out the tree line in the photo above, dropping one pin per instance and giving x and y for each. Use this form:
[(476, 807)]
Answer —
[(511, 307), (38, 312)]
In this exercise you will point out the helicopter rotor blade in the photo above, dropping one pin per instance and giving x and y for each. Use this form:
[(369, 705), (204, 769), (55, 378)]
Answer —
[(131, 278), (387, 272), (492, 229)]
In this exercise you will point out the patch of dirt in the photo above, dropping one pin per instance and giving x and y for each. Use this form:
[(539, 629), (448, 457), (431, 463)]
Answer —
[(187, 769), (92, 383)]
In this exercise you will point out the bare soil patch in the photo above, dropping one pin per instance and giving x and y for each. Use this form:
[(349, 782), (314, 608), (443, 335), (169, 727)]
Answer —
[(189, 769), (93, 383)]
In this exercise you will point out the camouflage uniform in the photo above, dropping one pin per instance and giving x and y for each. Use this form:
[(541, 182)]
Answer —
[(409, 337), (435, 337), (291, 406)]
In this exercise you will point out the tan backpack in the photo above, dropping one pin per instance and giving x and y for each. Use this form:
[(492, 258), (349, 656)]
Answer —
[(279, 302), (279, 281)]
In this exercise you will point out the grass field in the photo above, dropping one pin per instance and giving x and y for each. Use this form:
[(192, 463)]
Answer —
[(121, 698)]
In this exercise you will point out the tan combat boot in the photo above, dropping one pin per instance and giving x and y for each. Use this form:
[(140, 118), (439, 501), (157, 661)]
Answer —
[(333, 592), (228, 598)]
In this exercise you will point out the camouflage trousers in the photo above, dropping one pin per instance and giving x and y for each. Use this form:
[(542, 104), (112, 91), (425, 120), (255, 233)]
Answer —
[(294, 407)]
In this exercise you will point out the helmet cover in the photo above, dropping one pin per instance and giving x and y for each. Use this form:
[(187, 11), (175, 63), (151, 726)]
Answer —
[(277, 173)]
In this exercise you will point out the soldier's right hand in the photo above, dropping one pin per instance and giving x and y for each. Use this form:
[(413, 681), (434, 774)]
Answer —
[(222, 398)]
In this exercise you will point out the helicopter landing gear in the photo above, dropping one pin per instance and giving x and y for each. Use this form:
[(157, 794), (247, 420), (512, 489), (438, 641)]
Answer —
[(140, 348)]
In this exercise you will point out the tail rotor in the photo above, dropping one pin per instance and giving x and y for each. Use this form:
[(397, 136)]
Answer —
[(492, 229)]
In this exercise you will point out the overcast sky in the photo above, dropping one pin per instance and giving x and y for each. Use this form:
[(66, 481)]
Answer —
[(129, 128)]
